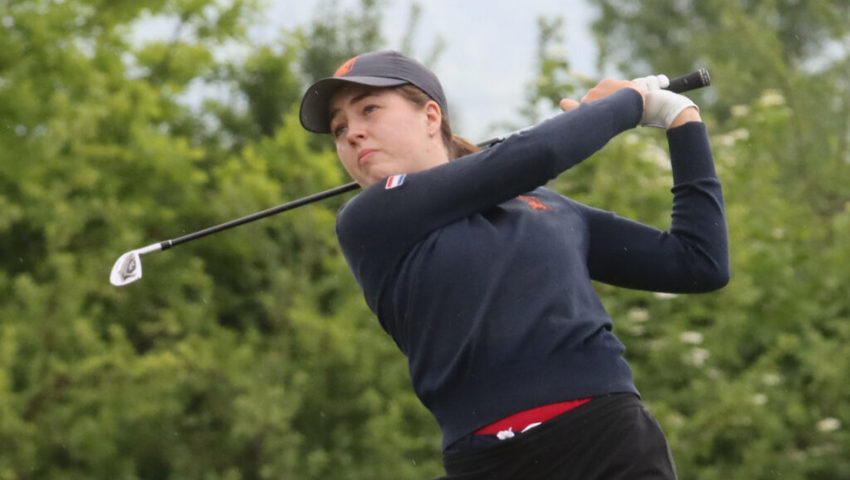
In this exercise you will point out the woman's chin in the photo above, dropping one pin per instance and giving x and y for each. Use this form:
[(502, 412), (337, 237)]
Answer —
[(376, 176)]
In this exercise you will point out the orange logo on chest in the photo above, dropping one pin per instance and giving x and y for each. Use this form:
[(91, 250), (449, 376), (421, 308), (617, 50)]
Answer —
[(534, 202)]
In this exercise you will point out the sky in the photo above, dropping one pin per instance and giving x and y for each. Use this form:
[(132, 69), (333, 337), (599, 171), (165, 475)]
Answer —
[(489, 54), (490, 48)]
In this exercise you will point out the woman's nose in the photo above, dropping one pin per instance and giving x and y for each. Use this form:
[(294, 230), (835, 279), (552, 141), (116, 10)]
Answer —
[(355, 132)]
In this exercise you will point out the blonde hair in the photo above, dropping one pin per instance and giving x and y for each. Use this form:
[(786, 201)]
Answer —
[(457, 146)]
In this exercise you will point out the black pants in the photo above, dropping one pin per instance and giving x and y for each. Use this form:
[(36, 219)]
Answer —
[(610, 438)]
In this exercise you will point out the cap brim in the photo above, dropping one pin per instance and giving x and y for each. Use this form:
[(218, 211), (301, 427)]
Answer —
[(315, 106)]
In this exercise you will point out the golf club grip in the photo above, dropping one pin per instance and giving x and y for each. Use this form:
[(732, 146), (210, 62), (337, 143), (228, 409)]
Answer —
[(691, 81)]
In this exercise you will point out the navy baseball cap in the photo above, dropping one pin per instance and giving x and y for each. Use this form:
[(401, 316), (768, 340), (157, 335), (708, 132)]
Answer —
[(376, 69)]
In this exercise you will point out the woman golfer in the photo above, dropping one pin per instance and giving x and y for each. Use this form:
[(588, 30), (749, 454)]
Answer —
[(482, 276)]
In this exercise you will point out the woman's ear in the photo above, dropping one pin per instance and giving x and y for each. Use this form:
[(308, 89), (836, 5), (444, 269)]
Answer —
[(433, 116)]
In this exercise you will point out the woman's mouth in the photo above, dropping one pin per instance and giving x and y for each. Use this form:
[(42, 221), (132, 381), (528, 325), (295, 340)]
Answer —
[(364, 155)]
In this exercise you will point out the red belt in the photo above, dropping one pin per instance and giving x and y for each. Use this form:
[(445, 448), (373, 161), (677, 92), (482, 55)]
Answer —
[(520, 420)]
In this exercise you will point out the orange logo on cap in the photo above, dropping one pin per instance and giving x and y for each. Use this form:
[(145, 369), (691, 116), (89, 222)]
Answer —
[(345, 68)]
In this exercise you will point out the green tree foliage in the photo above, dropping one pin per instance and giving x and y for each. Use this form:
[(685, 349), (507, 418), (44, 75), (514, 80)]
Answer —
[(797, 48), (252, 356), (334, 36), (554, 79), (747, 381)]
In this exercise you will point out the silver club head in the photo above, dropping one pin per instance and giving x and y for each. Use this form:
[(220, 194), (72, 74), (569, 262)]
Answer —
[(128, 267)]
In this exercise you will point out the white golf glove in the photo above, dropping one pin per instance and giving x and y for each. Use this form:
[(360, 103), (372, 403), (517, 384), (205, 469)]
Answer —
[(661, 106), (652, 82)]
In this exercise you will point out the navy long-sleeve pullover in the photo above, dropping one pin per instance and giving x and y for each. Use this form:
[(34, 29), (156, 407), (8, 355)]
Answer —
[(482, 276)]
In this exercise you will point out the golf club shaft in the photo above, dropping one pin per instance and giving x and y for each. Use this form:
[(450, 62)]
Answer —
[(262, 214), (691, 81)]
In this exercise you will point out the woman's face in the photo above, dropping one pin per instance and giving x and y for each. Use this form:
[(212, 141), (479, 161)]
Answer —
[(379, 133)]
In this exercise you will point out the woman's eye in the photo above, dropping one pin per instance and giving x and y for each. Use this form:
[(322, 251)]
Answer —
[(338, 131), (370, 108)]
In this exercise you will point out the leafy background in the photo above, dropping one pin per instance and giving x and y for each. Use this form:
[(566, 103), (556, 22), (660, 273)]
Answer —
[(253, 356)]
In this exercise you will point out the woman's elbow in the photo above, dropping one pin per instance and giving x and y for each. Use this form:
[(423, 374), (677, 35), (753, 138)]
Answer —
[(714, 279)]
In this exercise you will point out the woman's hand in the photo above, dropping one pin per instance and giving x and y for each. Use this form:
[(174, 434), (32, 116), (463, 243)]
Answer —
[(665, 111), (601, 90)]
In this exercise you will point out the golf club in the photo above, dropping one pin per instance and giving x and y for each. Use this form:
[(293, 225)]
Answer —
[(128, 267)]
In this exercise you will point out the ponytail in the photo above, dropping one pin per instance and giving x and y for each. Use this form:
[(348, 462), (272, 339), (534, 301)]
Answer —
[(459, 146)]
